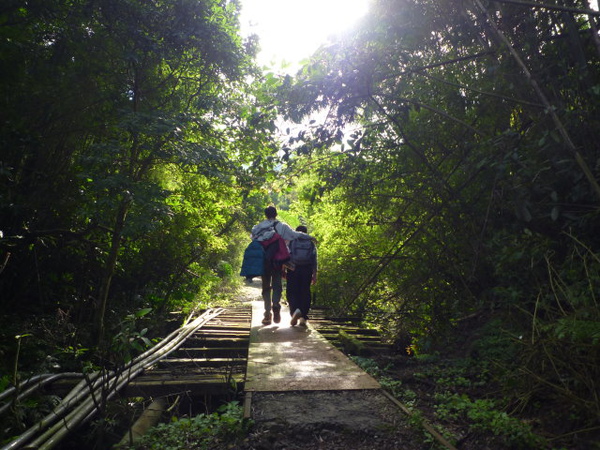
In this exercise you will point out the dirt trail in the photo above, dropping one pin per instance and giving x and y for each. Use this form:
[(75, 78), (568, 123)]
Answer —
[(332, 420)]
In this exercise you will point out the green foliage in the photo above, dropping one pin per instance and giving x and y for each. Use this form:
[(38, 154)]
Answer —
[(560, 355), (455, 383), (137, 146), (24, 414), (129, 341), (462, 373), (483, 415), (221, 429), (132, 143), (5, 381), (225, 269), (288, 217), (496, 343), (370, 366), (441, 185)]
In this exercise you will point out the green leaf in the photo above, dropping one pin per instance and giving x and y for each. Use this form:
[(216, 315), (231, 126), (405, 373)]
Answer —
[(142, 312)]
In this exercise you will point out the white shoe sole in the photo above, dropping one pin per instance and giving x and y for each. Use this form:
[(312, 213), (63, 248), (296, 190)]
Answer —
[(297, 315)]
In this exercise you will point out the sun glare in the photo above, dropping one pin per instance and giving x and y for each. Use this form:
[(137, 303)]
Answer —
[(291, 30)]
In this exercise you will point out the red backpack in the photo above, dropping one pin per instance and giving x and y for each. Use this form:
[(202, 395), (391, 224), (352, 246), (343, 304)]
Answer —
[(276, 252)]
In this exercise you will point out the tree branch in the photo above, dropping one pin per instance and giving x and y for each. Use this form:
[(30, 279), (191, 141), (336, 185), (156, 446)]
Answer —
[(589, 12), (549, 107)]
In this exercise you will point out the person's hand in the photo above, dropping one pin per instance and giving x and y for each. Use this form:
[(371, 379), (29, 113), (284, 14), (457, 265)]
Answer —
[(314, 279)]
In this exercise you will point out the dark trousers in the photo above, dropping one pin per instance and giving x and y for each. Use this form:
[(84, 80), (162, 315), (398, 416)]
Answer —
[(298, 289), (271, 288)]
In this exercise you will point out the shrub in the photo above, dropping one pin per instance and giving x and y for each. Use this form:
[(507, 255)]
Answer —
[(220, 429)]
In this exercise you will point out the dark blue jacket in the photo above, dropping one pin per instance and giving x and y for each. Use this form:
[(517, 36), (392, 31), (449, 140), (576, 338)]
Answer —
[(253, 264)]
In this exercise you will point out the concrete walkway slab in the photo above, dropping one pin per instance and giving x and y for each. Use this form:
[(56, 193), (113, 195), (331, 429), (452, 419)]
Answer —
[(286, 358)]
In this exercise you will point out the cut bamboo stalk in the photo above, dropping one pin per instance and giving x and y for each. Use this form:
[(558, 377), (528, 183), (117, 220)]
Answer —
[(149, 418)]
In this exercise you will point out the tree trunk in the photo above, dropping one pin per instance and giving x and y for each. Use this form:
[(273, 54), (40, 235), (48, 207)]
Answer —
[(109, 270)]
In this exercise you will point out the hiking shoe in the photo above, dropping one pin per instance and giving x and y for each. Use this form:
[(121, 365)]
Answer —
[(276, 316), (267, 319), (302, 322), (297, 315)]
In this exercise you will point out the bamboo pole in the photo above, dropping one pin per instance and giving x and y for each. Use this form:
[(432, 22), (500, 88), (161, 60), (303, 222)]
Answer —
[(437, 436), (80, 404), (31, 380), (40, 381), (549, 107)]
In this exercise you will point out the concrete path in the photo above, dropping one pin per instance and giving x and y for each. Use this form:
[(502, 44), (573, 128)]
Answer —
[(286, 358)]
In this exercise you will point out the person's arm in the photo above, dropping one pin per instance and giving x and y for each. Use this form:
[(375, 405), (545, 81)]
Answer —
[(289, 234), (315, 267)]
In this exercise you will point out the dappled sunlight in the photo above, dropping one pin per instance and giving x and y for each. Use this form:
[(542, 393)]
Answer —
[(282, 357), (281, 333)]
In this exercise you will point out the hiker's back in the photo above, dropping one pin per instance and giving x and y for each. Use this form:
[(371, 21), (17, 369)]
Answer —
[(302, 251), (264, 230)]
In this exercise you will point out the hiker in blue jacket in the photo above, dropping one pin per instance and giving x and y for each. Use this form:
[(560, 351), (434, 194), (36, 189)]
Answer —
[(271, 277), (302, 273), (252, 264)]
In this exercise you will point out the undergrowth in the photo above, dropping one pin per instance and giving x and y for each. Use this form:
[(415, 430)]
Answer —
[(219, 430), (454, 404)]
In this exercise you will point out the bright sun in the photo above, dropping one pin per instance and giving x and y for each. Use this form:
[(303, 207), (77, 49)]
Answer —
[(291, 30)]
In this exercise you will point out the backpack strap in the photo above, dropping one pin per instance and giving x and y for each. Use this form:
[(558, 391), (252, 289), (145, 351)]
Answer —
[(263, 230)]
